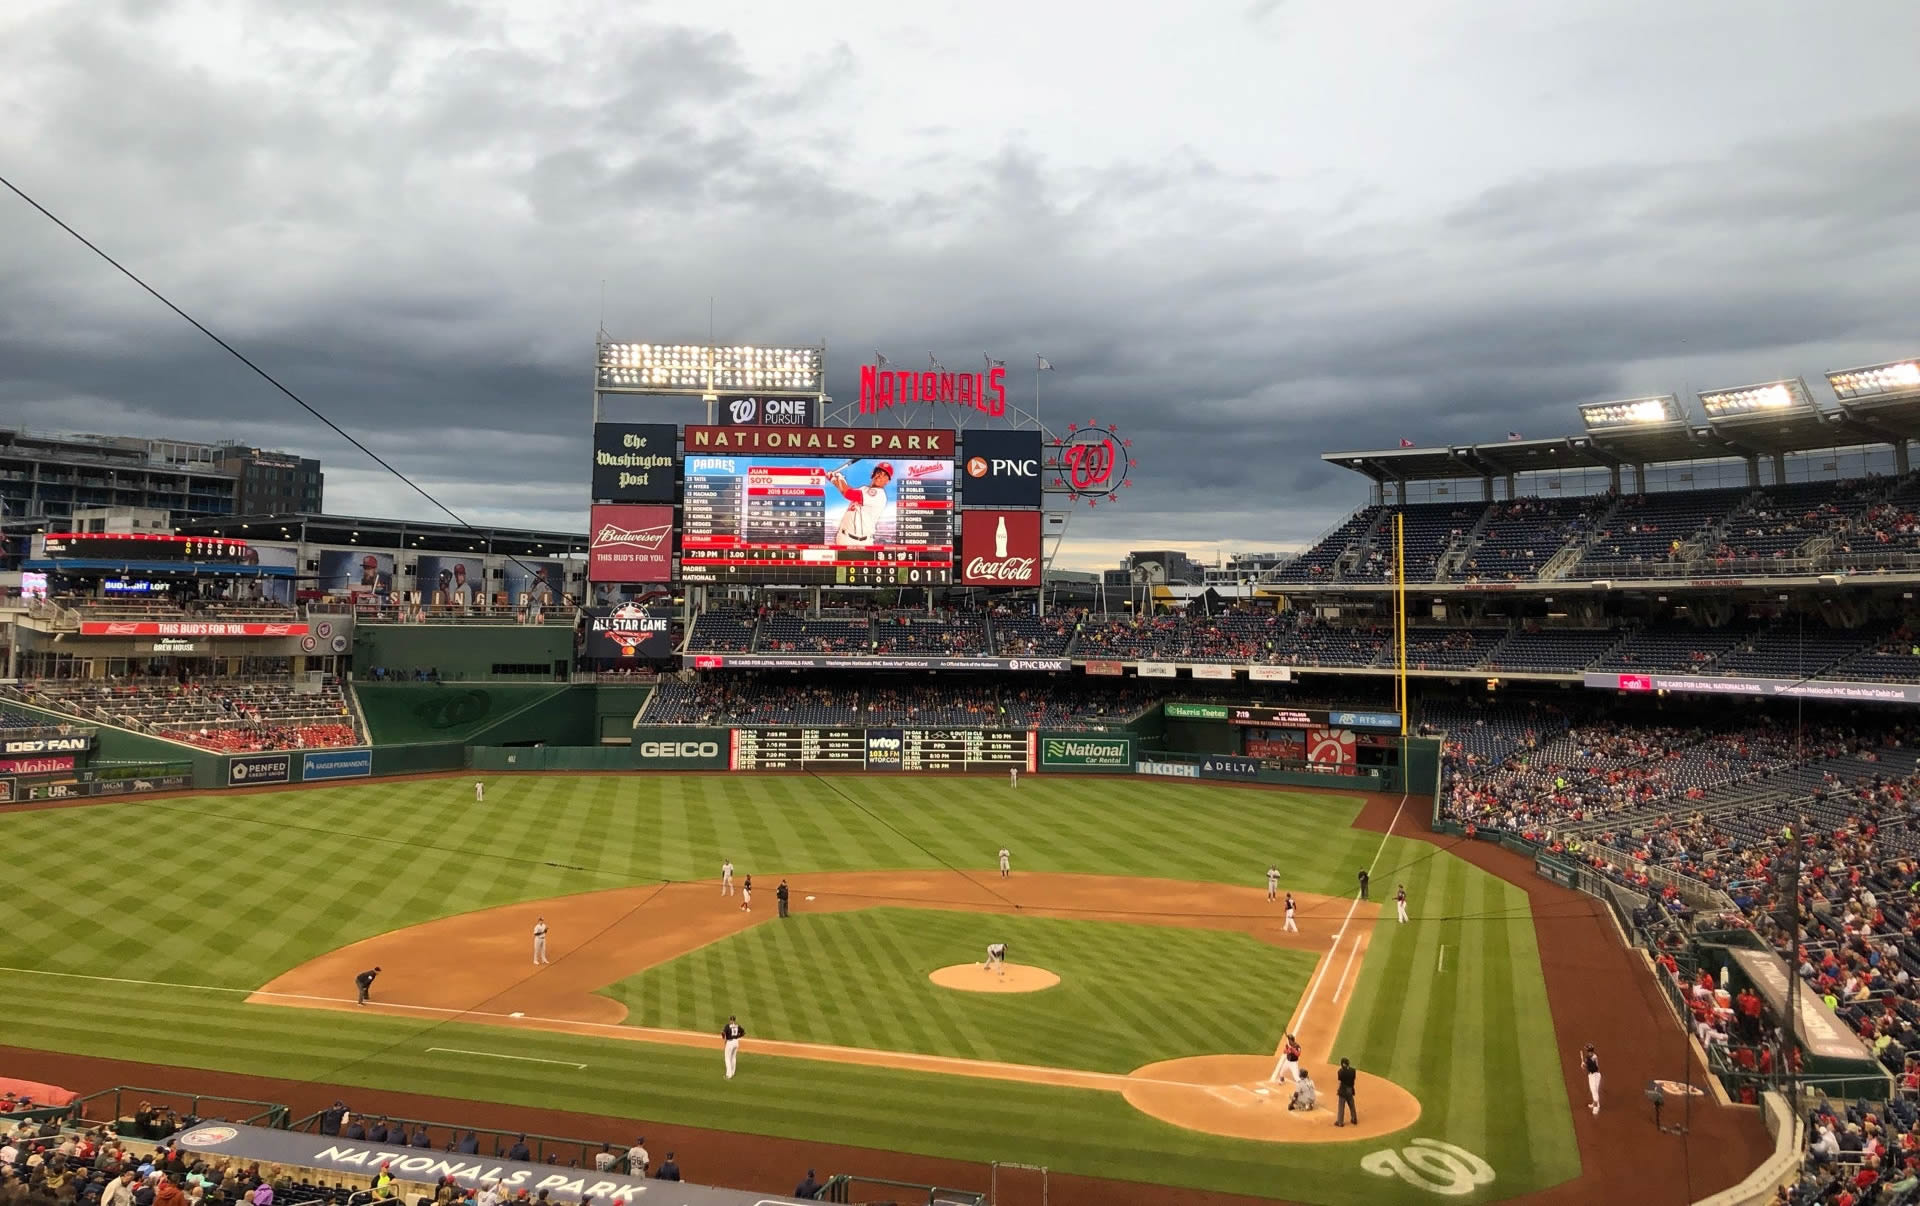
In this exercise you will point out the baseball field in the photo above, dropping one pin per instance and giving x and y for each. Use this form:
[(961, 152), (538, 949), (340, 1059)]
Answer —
[(1152, 982)]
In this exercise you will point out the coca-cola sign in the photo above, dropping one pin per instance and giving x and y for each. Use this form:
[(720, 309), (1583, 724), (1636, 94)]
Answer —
[(1000, 548), (631, 544)]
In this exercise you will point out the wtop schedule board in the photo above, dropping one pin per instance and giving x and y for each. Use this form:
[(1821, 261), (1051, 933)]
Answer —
[(882, 749)]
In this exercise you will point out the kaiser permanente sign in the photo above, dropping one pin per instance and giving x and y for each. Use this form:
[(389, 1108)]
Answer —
[(1763, 688), (300, 1150)]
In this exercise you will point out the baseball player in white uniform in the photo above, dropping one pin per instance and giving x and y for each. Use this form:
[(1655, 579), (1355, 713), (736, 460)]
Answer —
[(479, 792), (1400, 903), (730, 1036), (726, 878), (1291, 924), (540, 940), (1273, 883), (1590, 1064), (996, 958), (866, 507), (1013, 776), (1006, 862)]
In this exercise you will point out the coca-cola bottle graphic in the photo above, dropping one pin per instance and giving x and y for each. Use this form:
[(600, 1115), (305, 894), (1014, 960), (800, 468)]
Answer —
[(1000, 539)]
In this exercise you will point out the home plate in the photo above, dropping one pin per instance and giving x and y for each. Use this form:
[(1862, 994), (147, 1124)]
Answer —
[(516, 1014), (1263, 1092), (809, 898)]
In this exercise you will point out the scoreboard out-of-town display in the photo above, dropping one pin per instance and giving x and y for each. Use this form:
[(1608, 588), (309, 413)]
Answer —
[(126, 547), (881, 749)]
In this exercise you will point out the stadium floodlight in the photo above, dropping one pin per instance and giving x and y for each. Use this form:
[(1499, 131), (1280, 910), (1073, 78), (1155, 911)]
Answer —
[(1632, 412), (1766, 400), (1900, 379), (688, 368)]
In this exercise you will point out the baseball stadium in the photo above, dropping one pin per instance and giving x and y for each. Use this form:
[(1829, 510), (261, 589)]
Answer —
[(1542, 833)]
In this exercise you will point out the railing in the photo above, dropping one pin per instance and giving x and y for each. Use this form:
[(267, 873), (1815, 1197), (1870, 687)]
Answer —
[(543, 1149), (452, 613), (122, 1100), (841, 1188)]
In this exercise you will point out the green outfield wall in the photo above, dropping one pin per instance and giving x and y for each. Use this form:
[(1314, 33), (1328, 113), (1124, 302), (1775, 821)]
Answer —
[(478, 713), (465, 652)]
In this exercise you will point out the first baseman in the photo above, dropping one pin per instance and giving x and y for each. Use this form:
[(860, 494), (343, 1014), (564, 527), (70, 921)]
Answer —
[(1273, 883), (540, 940)]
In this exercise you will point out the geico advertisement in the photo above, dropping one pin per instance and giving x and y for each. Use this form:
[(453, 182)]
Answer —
[(662, 748)]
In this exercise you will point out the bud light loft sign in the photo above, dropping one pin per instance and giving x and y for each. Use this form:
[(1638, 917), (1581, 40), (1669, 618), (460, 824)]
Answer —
[(1091, 463)]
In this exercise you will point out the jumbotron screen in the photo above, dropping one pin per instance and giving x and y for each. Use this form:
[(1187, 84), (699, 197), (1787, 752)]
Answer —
[(813, 521)]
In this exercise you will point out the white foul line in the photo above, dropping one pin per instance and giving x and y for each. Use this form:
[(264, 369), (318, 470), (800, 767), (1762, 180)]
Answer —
[(1442, 964), (525, 1059), (1300, 1023)]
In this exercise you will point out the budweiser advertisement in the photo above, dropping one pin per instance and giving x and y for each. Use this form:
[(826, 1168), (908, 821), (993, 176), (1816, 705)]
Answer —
[(171, 628), (630, 543), (1000, 548)]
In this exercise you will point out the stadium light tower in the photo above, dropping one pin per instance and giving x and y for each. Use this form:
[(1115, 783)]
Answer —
[(1898, 381), (710, 371), (1767, 400), (1632, 413)]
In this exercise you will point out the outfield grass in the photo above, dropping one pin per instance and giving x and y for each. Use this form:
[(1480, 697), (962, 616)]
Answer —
[(197, 901), (1126, 996)]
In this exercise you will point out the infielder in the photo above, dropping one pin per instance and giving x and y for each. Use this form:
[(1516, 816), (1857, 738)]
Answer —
[(730, 1036), (479, 792), (540, 941), (1400, 903), (1590, 1063), (1273, 883), (1291, 924), (866, 506), (1006, 862), (746, 895), (726, 878), (996, 958)]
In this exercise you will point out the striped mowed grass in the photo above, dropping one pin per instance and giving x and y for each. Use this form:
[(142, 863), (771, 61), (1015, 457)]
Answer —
[(136, 930)]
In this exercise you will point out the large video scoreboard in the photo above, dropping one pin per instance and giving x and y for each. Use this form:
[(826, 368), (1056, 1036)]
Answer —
[(145, 546), (881, 749), (756, 518)]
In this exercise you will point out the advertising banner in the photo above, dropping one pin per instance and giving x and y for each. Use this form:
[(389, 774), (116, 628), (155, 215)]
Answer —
[(628, 631), (633, 462), (820, 442), (171, 628), (1332, 748), (253, 769), (630, 543), (1270, 674), (885, 748), (1226, 766), (1194, 711), (1277, 745), (355, 572), (47, 745), (671, 747), (80, 789), (1109, 669), (335, 764), (539, 583), (35, 766), (1000, 548), (7, 791), (1211, 670), (1761, 688), (825, 661), (1167, 770), (459, 581), (755, 410), (1086, 752), (1000, 468), (1155, 669)]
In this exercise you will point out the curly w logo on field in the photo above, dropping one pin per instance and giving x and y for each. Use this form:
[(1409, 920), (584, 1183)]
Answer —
[(1429, 1164)]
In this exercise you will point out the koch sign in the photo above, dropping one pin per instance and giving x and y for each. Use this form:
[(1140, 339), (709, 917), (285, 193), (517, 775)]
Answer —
[(1000, 468), (1758, 688), (296, 1149)]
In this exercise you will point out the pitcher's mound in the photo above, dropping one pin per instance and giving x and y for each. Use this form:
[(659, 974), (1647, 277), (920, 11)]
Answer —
[(1014, 977)]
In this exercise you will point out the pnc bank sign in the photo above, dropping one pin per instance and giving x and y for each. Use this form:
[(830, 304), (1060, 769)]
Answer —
[(884, 388)]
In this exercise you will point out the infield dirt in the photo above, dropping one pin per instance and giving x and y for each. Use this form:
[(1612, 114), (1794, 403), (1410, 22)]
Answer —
[(478, 967)]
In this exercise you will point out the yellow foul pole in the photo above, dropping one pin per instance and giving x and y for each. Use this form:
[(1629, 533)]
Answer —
[(1400, 615)]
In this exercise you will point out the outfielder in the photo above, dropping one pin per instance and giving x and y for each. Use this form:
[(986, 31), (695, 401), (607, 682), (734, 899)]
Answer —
[(1590, 1063), (996, 958), (479, 792), (1006, 863), (1400, 903), (1273, 883), (1291, 924), (1013, 777), (866, 506), (730, 1036), (726, 878), (540, 940)]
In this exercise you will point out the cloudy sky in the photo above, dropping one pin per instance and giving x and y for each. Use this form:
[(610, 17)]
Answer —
[(1245, 232)]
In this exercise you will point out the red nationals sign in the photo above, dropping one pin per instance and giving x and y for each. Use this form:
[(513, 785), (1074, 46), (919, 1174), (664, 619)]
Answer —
[(1000, 548), (170, 628), (630, 544)]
